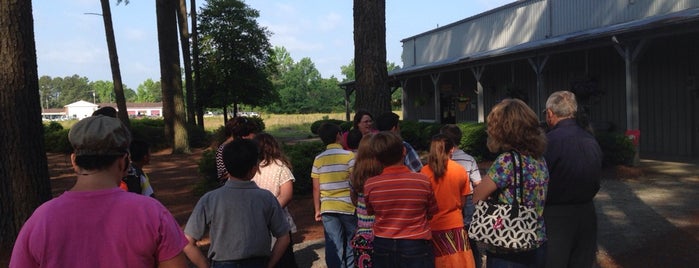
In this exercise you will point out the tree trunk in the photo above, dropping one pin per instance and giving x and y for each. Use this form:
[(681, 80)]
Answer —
[(195, 66), (170, 77), (371, 75), (114, 63), (184, 42), (24, 176)]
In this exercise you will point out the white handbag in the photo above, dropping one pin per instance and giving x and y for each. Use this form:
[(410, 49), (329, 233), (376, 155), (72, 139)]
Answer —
[(506, 227)]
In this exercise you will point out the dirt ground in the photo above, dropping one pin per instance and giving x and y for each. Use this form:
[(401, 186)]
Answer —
[(646, 218), (173, 177)]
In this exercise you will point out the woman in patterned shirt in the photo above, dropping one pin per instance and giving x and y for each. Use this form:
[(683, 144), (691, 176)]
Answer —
[(513, 129)]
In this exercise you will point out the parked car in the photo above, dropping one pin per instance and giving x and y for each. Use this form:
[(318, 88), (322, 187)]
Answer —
[(248, 114)]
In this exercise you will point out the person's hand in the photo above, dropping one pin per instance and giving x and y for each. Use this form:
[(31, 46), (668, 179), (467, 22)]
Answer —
[(318, 218)]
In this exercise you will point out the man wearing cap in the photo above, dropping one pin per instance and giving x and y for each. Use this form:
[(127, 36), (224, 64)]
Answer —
[(95, 223)]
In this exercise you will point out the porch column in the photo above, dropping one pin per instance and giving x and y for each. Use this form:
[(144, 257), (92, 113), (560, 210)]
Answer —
[(403, 98), (538, 63), (348, 109), (477, 73), (630, 51), (437, 98)]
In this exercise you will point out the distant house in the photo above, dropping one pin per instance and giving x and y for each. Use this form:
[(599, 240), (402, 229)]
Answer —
[(151, 109), (81, 109)]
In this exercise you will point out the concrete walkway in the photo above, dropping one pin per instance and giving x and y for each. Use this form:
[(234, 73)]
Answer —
[(650, 221)]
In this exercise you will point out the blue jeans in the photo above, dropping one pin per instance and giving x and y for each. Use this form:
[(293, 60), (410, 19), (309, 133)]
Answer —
[(339, 230), (246, 263), (528, 259), (404, 253)]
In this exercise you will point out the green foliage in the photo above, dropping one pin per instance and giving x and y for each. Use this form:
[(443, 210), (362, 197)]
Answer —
[(302, 155), (56, 138), (150, 131), (60, 91), (474, 140), (53, 126), (344, 125), (617, 148), (235, 56), (302, 89), (149, 91), (418, 134), (207, 173)]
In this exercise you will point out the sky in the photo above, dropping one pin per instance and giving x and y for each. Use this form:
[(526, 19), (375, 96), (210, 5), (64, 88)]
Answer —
[(69, 41)]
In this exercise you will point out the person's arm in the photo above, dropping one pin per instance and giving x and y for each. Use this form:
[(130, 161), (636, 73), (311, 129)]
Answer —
[(194, 254), (177, 261), (278, 249), (484, 189), (286, 192), (316, 198)]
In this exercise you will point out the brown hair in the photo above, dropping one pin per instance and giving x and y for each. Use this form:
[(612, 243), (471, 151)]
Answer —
[(240, 126), (388, 147), (437, 159), (512, 125), (270, 150), (366, 165)]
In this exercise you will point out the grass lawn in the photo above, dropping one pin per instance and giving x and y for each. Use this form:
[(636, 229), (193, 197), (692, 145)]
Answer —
[(284, 127)]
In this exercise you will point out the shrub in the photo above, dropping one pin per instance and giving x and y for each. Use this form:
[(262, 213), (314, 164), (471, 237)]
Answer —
[(53, 126), (150, 131), (302, 155), (207, 173), (56, 140), (474, 140), (344, 125), (617, 148), (418, 134)]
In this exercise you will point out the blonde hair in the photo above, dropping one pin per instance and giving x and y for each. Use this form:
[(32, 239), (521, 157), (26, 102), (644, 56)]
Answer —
[(440, 148), (366, 165), (512, 125)]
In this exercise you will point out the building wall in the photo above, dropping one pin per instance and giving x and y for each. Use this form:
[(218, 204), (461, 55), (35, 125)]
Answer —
[(527, 21), (668, 84)]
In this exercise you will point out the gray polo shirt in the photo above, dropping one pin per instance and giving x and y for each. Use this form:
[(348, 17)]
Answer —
[(240, 217)]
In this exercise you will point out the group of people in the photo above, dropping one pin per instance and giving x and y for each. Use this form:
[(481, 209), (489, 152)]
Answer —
[(379, 205)]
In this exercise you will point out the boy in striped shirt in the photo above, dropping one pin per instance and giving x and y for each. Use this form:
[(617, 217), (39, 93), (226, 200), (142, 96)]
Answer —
[(402, 202), (331, 197)]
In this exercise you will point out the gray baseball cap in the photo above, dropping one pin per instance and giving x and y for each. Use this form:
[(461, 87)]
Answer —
[(99, 135)]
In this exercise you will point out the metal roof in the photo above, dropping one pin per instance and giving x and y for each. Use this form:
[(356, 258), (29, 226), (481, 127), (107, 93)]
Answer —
[(671, 19)]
